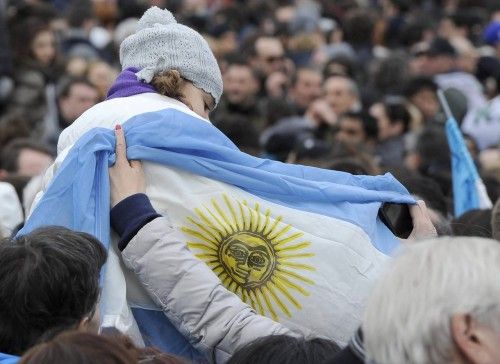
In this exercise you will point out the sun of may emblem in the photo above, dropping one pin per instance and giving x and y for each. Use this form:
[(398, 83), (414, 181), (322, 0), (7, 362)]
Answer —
[(255, 256)]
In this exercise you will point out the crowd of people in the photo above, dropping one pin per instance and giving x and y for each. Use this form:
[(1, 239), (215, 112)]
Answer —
[(348, 85)]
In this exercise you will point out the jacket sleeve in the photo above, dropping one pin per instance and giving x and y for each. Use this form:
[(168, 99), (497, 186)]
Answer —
[(193, 298)]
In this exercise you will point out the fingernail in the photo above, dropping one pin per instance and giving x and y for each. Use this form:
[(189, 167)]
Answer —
[(118, 127)]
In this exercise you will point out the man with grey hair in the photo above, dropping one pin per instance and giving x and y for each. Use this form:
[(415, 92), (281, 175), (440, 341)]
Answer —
[(342, 94), (438, 303)]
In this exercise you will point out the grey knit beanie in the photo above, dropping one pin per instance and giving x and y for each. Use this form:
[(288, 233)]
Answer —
[(161, 44)]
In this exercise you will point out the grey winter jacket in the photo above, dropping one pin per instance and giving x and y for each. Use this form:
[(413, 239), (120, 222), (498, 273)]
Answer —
[(193, 298)]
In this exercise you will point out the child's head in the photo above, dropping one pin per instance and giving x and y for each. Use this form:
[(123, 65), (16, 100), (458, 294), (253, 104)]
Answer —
[(49, 282), (175, 59)]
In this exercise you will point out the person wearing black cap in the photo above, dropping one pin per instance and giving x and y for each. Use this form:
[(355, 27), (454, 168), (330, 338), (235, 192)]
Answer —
[(441, 62)]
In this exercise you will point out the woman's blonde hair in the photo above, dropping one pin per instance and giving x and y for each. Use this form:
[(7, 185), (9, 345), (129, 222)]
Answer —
[(168, 83)]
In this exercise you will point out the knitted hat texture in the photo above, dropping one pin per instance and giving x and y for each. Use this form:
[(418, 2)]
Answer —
[(161, 44)]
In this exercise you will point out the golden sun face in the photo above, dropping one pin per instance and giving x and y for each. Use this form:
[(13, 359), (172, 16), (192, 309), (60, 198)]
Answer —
[(255, 256)]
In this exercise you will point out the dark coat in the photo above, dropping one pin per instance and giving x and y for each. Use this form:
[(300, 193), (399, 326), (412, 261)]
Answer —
[(30, 91)]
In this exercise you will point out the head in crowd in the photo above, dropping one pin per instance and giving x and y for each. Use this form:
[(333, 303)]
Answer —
[(13, 126), (282, 349), (49, 282), (76, 95), (175, 59), (473, 223), (267, 54), (25, 157), (342, 94), (88, 348), (81, 21), (81, 16), (393, 117), (76, 67), (422, 93), (305, 87), (241, 84), (439, 302), (101, 75), (390, 73), (359, 28), (35, 43), (439, 57), (357, 128)]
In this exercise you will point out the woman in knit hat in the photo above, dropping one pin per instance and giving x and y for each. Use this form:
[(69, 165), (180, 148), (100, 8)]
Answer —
[(165, 65), (172, 58)]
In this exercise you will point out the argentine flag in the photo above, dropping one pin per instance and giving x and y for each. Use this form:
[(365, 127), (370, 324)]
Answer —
[(469, 191), (299, 244)]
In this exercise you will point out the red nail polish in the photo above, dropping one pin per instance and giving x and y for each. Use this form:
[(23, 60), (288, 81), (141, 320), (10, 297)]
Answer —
[(118, 127)]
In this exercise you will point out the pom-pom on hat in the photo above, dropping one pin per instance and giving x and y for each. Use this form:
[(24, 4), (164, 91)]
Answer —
[(161, 44)]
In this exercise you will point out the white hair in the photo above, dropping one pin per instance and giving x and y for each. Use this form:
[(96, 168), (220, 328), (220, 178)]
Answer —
[(407, 319)]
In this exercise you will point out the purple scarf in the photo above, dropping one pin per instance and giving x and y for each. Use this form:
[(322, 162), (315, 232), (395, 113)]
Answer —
[(127, 84)]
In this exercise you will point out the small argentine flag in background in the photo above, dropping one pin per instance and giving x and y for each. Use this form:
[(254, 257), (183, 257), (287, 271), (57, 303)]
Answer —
[(300, 245), (469, 191)]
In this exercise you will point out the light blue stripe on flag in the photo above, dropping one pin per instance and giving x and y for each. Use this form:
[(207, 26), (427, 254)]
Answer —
[(79, 195)]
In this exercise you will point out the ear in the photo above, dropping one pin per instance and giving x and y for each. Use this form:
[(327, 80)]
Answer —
[(467, 337)]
